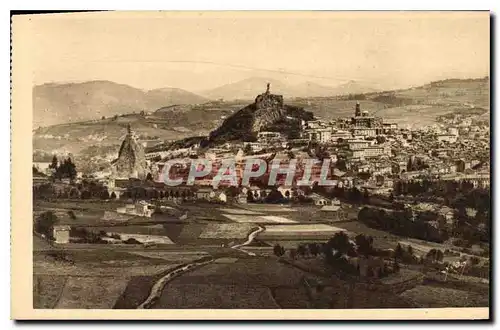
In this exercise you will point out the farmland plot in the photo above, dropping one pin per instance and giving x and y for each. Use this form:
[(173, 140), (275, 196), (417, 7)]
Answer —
[(426, 296), (91, 292), (268, 208), (215, 296), (258, 219), (47, 290), (260, 271), (238, 211), (299, 231), (226, 230), (176, 256)]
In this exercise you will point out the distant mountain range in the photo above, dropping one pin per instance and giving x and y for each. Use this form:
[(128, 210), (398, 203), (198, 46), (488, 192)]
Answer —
[(70, 102), (247, 89), (56, 103)]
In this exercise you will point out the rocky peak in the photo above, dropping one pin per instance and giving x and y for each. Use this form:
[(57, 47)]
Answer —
[(267, 110), (131, 162)]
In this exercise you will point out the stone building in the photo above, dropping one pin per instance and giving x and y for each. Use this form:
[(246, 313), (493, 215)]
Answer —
[(61, 234)]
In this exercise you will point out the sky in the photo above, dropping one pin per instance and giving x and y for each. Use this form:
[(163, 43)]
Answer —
[(199, 51)]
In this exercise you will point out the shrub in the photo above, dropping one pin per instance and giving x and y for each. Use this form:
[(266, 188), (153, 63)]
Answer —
[(132, 241), (45, 223)]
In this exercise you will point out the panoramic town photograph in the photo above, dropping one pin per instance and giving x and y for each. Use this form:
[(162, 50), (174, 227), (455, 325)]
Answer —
[(261, 160)]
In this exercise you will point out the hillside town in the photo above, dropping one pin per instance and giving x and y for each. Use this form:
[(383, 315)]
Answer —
[(366, 152)]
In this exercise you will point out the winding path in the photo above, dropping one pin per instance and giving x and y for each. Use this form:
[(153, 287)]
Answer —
[(157, 288), (249, 240)]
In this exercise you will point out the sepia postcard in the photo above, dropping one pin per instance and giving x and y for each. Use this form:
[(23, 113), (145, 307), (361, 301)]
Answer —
[(251, 165)]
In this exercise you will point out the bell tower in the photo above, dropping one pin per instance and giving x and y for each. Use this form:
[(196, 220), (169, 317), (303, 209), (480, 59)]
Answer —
[(357, 113)]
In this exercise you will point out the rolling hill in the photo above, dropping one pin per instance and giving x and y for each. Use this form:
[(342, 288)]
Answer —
[(247, 89), (416, 106), (72, 102)]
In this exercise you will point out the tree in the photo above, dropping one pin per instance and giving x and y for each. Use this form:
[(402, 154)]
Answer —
[(37, 172), (250, 198), (105, 194), (313, 249), (398, 253), (380, 139), (103, 117), (435, 255), (45, 223), (341, 243), (364, 244), (355, 195), (302, 250), (247, 149), (366, 196), (410, 250), (275, 196), (71, 169), (65, 170), (278, 250), (85, 194), (132, 241), (341, 164), (232, 191), (53, 165), (113, 195)]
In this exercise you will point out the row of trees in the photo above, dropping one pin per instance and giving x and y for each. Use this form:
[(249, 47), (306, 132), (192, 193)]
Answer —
[(84, 190), (455, 193), (351, 195), (144, 193), (338, 246), (401, 223), (472, 229), (429, 225), (335, 251), (64, 169)]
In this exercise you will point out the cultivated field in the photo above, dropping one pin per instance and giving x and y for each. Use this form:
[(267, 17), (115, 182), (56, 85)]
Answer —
[(98, 278), (91, 292), (426, 296), (258, 219), (298, 232), (208, 295)]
